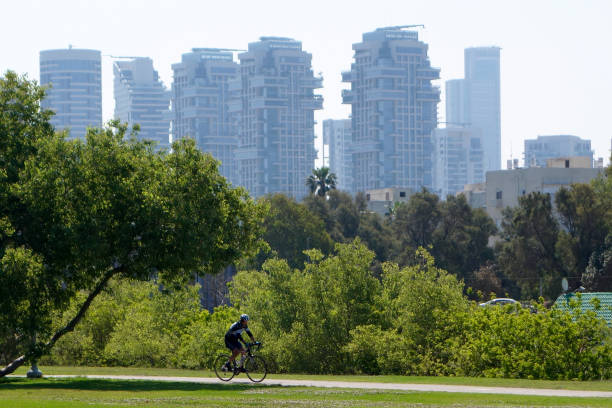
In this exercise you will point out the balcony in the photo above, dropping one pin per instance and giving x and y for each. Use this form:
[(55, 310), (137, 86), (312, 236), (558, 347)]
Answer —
[(234, 106), (377, 94), (314, 83), (431, 94), (428, 73), (263, 103), (263, 80), (235, 85), (314, 103), (385, 72), (347, 96), (347, 76)]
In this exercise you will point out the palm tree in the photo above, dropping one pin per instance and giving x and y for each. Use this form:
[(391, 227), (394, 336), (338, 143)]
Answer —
[(321, 181)]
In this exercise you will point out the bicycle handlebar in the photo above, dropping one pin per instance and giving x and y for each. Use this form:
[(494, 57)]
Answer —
[(255, 343)]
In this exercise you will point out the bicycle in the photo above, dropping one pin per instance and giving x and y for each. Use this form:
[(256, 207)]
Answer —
[(253, 366)]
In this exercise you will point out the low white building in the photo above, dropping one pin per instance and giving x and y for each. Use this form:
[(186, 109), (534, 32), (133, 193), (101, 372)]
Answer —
[(381, 201), (504, 187)]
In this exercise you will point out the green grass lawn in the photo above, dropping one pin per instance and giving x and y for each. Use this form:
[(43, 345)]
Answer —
[(490, 382), (81, 392)]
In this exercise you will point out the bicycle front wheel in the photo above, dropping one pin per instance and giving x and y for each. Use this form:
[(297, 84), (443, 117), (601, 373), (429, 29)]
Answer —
[(222, 372), (255, 368)]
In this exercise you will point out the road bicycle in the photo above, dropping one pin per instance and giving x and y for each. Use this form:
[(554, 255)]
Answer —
[(252, 365)]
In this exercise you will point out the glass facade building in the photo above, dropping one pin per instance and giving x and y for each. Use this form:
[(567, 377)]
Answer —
[(394, 110), (200, 105), (141, 98), (74, 78), (338, 136), (274, 103), (537, 151), (458, 159), (483, 99)]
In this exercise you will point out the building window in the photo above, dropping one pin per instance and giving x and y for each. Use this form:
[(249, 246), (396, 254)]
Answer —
[(567, 164), (498, 195), (368, 197), (402, 194)]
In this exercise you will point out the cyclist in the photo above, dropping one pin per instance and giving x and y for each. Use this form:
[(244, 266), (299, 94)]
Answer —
[(233, 335)]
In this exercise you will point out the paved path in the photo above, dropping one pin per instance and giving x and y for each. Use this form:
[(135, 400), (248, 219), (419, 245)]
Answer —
[(365, 385)]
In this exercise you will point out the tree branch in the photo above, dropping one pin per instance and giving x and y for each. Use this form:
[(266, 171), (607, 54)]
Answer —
[(18, 362), (15, 364), (84, 307)]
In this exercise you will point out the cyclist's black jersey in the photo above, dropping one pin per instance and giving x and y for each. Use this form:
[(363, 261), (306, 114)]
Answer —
[(235, 332)]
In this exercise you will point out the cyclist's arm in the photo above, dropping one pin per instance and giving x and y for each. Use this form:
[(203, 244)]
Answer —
[(250, 334)]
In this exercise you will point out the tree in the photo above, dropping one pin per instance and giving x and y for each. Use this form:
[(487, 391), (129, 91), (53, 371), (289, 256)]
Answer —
[(527, 252), (582, 213), (82, 213), (416, 220), (460, 240), (306, 315), (290, 229), (338, 212), (321, 181), (598, 274)]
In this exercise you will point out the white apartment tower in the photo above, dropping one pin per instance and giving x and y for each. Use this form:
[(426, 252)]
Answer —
[(274, 104), (393, 110), (74, 78), (200, 105), (458, 159), (338, 137), (141, 98)]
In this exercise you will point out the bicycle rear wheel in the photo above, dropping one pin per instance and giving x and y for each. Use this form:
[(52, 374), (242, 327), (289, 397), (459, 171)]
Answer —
[(255, 368), (223, 373)]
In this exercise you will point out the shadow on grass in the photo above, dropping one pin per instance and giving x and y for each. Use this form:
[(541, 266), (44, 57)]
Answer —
[(88, 384)]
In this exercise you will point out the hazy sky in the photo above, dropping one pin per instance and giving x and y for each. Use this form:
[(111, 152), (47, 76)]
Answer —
[(556, 58)]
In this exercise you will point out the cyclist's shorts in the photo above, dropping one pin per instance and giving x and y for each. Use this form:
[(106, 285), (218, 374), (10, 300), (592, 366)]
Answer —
[(232, 344)]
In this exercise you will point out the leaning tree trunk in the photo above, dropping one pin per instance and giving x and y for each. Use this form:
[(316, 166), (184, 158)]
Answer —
[(18, 362)]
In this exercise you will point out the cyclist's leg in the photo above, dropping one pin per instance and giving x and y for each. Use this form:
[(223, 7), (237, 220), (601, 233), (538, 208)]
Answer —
[(235, 347)]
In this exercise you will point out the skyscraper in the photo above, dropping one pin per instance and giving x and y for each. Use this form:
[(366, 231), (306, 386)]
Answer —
[(483, 100), (141, 98), (338, 136), (537, 151), (75, 93), (458, 159), (456, 103), (394, 110), (200, 110), (274, 106)]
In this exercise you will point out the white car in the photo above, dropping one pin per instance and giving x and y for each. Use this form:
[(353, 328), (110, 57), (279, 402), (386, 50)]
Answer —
[(498, 302)]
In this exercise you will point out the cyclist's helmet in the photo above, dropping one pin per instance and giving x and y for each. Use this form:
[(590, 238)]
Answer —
[(244, 317)]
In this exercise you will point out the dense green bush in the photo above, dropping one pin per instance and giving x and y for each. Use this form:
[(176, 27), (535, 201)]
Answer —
[(514, 342), (137, 324), (333, 316)]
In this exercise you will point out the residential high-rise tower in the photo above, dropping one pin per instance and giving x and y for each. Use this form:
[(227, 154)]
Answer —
[(338, 136), (394, 110), (274, 106), (141, 98), (458, 159), (75, 92), (200, 104)]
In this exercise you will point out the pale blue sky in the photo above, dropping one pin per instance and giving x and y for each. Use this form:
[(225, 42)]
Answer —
[(556, 59)]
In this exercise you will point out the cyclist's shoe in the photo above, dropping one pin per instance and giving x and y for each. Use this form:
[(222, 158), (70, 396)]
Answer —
[(226, 367)]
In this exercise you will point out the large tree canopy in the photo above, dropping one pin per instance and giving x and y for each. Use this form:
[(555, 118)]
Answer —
[(78, 213)]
